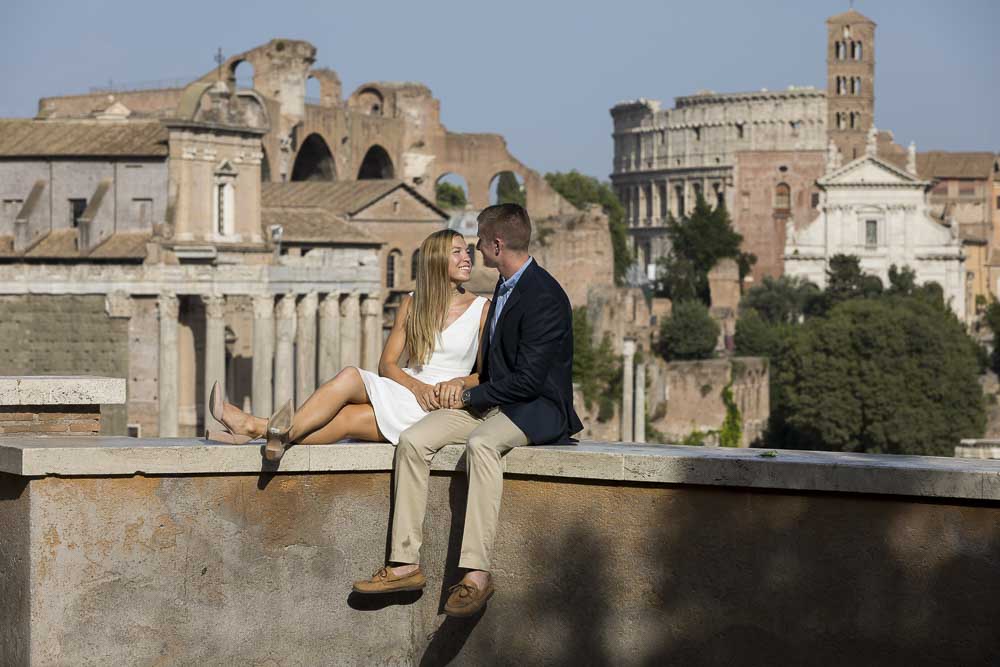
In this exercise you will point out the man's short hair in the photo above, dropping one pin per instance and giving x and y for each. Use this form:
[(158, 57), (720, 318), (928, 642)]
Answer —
[(509, 222)]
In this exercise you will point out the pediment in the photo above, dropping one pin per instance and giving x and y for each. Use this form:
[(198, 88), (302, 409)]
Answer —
[(400, 204), (869, 171)]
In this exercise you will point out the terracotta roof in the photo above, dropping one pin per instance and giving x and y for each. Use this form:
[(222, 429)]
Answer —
[(850, 16), (57, 244), (344, 198), (130, 245), (946, 164), (81, 138), (315, 225), (62, 244)]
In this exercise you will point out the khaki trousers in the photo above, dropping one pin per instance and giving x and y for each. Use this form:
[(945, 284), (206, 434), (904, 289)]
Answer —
[(486, 439)]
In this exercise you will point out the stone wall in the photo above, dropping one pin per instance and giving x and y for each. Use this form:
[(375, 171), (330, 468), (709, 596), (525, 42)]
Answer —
[(615, 555), (64, 335), (687, 396)]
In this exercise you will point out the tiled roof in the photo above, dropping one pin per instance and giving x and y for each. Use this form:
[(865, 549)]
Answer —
[(62, 244), (131, 245), (82, 138), (341, 197), (946, 164), (315, 225), (850, 16)]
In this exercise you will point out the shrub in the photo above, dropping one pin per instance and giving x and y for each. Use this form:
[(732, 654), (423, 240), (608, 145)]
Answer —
[(689, 332)]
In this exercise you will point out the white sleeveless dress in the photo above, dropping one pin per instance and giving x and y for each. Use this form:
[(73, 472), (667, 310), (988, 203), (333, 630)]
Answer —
[(396, 409)]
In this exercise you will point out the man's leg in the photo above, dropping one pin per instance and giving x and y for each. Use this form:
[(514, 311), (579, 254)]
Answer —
[(417, 446), (490, 440)]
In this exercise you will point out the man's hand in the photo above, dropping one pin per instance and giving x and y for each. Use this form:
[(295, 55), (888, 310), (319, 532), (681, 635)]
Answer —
[(426, 396), (450, 393)]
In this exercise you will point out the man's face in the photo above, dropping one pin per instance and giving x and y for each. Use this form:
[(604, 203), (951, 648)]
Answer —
[(488, 247)]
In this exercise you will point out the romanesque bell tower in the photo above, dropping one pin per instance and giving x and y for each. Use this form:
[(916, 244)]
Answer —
[(850, 85)]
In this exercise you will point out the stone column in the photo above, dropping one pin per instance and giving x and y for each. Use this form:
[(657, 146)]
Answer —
[(641, 205), (350, 331), (640, 402), (284, 358), (329, 337), (654, 194), (628, 387), (263, 355), (305, 348), (371, 316), (169, 308), (215, 350)]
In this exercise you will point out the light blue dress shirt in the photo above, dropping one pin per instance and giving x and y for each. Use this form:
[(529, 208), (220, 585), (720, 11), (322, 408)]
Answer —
[(506, 287)]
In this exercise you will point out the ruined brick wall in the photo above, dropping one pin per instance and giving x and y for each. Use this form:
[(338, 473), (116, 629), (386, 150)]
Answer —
[(64, 335), (576, 250)]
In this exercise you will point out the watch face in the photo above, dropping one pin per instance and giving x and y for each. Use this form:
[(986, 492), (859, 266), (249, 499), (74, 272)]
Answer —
[(466, 396)]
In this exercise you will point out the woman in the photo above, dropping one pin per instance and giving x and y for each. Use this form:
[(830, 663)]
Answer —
[(438, 328)]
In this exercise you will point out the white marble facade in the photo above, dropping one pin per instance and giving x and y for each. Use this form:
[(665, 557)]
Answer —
[(880, 213)]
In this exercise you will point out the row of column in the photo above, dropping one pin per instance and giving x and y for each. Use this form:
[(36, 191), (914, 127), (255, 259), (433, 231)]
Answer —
[(649, 203), (288, 360)]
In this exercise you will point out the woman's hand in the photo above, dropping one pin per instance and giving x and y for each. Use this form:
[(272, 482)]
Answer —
[(426, 396), (449, 393)]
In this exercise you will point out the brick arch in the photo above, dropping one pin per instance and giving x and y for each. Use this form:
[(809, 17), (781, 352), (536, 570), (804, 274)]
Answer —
[(314, 161), (376, 164)]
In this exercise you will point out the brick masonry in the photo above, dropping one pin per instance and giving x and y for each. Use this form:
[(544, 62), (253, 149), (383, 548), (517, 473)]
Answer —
[(50, 420), (64, 335)]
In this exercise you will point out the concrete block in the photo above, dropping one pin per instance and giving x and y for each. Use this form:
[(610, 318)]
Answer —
[(61, 390)]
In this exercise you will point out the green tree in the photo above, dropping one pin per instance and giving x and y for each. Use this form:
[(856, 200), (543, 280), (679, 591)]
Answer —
[(596, 369), (893, 375), (689, 332), (450, 196), (580, 191), (509, 190), (755, 336), (780, 300), (697, 244)]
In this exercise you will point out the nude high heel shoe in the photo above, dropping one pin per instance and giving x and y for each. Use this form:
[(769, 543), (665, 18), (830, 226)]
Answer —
[(278, 428), (215, 406)]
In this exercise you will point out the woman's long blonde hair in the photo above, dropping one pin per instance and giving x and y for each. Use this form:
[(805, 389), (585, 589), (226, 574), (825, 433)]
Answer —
[(429, 309)]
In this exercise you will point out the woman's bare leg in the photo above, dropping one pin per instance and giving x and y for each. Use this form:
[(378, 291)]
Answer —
[(325, 404), (318, 411), (353, 421)]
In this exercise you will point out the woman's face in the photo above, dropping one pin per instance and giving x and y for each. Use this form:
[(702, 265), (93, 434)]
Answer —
[(459, 262)]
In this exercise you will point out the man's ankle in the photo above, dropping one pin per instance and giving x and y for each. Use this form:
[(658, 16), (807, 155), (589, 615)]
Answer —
[(404, 568)]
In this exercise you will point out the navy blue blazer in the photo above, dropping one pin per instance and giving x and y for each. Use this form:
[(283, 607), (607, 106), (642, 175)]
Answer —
[(527, 367)]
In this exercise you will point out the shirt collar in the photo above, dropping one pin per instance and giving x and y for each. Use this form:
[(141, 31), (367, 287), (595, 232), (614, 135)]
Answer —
[(509, 283)]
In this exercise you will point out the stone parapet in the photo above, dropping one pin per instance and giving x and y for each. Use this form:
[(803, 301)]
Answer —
[(978, 449), (61, 390), (65, 406), (926, 476), (123, 552)]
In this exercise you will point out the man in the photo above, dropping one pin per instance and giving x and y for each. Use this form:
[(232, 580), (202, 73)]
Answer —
[(525, 396)]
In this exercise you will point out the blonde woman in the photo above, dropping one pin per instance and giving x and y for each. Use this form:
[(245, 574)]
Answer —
[(437, 329)]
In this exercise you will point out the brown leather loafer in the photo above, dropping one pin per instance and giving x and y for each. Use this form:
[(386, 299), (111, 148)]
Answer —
[(467, 600), (384, 581)]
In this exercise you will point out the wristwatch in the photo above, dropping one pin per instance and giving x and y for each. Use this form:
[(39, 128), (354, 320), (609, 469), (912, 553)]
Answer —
[(466, 398)]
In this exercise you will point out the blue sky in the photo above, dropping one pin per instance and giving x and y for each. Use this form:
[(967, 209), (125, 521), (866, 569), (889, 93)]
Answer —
[(542, 73)]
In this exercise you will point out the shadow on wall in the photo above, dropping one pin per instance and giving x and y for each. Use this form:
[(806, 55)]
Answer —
[(601, 574)]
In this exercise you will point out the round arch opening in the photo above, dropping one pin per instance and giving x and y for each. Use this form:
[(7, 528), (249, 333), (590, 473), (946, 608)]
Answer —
[(314, 161), (376, 165), (451, 192), (507, 187)]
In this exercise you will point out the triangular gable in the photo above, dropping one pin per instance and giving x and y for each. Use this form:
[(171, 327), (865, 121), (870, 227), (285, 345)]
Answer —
[(869, 170), (226, 168), (401, 203)]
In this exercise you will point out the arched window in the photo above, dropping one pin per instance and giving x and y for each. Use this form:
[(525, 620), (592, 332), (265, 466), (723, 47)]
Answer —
[(414, 264), (314, 161), (224, 200), (392, 265), (857, 85), (782, 198), (854, 120), (857, 51), (376, 165)]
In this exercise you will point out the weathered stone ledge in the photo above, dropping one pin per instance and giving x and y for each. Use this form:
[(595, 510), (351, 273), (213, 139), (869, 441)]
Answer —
[(661, 464), (61, 390)]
